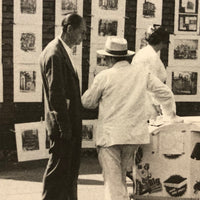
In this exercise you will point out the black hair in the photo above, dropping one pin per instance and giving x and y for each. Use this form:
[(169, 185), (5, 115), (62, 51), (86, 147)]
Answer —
[(158, 35), (72, 19)]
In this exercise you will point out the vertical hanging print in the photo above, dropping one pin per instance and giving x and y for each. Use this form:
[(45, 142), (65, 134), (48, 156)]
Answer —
[(1, 66), (27, 43), (28, 12), (27, 83)]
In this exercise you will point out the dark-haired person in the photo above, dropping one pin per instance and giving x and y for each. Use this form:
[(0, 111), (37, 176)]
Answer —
[(157, 38), (62, 111)]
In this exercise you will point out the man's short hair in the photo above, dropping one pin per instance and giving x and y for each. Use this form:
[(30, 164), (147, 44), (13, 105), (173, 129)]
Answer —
[(72, 19)]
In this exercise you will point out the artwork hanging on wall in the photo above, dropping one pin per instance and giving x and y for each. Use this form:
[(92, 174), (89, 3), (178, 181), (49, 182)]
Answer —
[(30, 141), (149, 12), (184, 50), (107, 27), (64, 7), (28, 12), (27, 83), (186, 17), (88, 133), (184, 83), (27, 43)]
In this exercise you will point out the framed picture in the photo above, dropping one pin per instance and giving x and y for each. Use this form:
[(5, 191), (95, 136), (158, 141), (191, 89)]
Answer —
[(88, 133), (28, 12), (1, 83), (27, 83), (64, 7), (187, 23), (184, 50), (184, 83), (186, 17), (188, 6), (107, 27), (27, 43), (30, 141), (148, 12), (115, 8)]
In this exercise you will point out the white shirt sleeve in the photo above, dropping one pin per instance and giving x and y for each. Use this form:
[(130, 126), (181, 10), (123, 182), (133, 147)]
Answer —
[(162, 94), (91, 97)]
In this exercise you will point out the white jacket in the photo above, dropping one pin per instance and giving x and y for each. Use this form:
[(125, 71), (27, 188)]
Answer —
[(120, 92)]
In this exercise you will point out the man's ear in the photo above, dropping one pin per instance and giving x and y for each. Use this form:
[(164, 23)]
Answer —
[(69, 28)]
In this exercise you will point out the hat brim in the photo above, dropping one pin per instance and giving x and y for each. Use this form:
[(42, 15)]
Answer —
[(105, 53)]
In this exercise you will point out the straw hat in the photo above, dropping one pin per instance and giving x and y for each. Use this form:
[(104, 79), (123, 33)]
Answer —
[(116, 47)]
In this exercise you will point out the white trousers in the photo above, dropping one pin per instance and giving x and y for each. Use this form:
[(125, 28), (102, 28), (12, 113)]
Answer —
[(114, 161)]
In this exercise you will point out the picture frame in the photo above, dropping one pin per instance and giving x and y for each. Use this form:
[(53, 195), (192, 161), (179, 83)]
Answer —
[(1, 83), (184, 50), (149, 12), (27, 83), (184, 83), (186, 19), (114, 8), (28, 12), (30, 141), (64, 7), (88, 133), (27, 43)]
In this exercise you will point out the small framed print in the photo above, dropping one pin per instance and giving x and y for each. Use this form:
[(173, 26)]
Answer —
[(188, 6), (64, 7), (27, 83), (184, 83), (30, 141), (28, 12), (184, 50), (88, 133), (148, 12), (107, 27), (27, 43), (187, 23)]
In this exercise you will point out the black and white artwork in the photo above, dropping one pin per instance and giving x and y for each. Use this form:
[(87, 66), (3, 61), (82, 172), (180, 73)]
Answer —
[(28, 6), (184, 83), (108, 4), (188, 6), (28, 42), (149, 9), (27, 81), (30, 141), (68, 6), (187, 23), (107, 27), (88, 133)]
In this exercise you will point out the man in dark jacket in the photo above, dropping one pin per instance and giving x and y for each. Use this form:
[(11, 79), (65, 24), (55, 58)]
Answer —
[(62, 111)]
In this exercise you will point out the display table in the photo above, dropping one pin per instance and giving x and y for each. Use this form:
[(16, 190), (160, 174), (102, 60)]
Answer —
[(170, 164)]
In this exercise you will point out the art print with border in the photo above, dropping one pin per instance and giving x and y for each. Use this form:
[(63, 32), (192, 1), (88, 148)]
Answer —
[(184, 83), (148, 12), (30, 141), (27, 43), (27, 83), (28, 12), (88, 133), (184, 50)]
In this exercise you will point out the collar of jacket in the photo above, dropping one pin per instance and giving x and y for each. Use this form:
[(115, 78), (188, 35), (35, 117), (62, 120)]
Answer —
[(67, 58)]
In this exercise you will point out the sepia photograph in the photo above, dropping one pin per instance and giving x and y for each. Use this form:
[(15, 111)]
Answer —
[(28, 42), (107, 27), (27, 81), (68, 6), (30, 140), (185, 49), (108, 4), (184, 83), (149, 9), (28, 6)]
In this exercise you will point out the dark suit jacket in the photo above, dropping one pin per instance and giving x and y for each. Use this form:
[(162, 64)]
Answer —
[(62, 83)]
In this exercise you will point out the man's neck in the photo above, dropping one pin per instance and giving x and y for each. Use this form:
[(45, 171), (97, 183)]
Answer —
[(66, 40)]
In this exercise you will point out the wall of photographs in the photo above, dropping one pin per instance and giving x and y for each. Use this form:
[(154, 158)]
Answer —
[(108, 18), (184, 52), (27, 35)]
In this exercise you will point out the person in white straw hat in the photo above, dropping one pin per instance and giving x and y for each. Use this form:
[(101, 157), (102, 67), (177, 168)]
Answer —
[(120, 92)]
